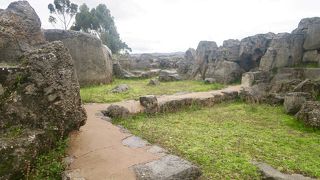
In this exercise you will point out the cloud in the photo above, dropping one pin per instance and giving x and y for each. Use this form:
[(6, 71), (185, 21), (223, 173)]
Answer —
[(175, 25)]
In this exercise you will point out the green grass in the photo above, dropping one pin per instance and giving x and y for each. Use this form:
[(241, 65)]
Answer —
[(224, 139), (139, 87), (50, 166)]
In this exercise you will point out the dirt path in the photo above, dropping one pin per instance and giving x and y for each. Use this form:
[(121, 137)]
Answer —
[(97, 148), (99, 152)]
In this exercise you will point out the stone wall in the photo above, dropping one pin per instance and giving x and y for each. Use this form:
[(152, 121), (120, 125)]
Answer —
[(92, 59)]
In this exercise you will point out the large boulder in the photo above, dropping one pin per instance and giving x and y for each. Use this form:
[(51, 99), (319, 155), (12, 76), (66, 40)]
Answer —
[(285, 50), (294, 101), (91, 58), (20, 29), (40, 94), (41, 99), (312, 56), (207, 52), (252, 48), (185, 66), (312, 32), (121, 73), (225, 72), (230, 50), (310, 114), (167, 75)]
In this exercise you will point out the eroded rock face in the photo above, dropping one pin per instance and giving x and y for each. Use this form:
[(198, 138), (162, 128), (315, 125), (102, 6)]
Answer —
[(285, 50), (311, 57), (230, 50), (225, 72), (40, 94), (310, 114), (42, 99), (252, 49), (92, 59), (186, 65), (294, 101), (20, 29)]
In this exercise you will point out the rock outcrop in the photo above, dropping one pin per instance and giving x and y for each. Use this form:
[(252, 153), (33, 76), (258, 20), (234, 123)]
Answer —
[(20, 29), (92, 59), (285, 50), (310, 113), (40, 94), (252, 49)]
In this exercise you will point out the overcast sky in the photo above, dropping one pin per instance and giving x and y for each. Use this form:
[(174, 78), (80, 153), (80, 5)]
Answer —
[(175, 25)]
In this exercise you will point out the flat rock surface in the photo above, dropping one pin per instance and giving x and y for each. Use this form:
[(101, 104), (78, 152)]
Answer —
[(168, 167)]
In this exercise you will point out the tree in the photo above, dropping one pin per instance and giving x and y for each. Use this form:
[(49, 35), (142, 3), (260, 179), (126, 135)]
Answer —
[(98, 21), (62, 11)]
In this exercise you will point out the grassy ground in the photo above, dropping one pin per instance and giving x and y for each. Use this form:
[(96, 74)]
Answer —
[(139, 87), (224, 139)]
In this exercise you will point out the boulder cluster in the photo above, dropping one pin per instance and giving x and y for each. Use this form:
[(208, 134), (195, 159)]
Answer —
[(264, 52), (39, 91)]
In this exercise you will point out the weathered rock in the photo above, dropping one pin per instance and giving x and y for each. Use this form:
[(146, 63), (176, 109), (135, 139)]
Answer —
[(38, 98), (285, 50), (288, 74), (311, 57), (120, 88), (209, 81), (154, 82), (310, 114), (207, 52), (20, 30), (169, 167), (150, 103), (269, 173), (252, 48), (294, 101), (115, 111), (230, 50), (119, 72), (225, 72), (311, 87), (134, 142), (91, 58), (186, 65), (312, 41), (251, 78), (167, 75)]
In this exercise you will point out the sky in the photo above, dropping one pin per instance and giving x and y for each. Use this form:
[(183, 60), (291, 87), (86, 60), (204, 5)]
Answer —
[(176, 25)]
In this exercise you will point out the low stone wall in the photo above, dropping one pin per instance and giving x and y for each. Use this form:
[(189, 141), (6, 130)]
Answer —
[(170, 103)]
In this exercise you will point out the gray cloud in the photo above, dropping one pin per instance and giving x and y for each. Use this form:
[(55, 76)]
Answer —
[(175, 25)]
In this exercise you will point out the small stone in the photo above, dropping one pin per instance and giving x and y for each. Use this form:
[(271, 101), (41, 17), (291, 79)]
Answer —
[(209, 81), (154, 82), (115, 111), (120, 88), (134, 142)]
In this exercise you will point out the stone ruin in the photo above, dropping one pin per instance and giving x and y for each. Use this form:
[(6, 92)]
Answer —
[(39, 91)]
